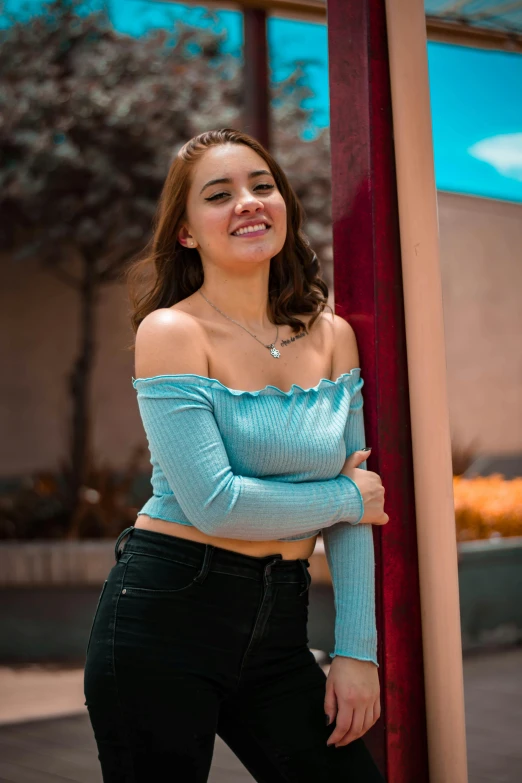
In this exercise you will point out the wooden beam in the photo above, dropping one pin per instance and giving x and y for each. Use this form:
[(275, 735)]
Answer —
[(368, 294), (457, 33), (256, 98), (429, 419), (460, 34)]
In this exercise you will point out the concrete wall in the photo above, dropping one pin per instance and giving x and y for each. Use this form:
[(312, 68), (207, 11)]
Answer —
[(481, 260), (38, 339), (49, 592), (482, 284)]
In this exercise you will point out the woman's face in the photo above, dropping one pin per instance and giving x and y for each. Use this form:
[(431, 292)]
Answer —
[(245, 195)]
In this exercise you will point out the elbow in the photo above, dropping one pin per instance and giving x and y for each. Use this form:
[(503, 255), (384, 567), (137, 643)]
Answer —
[(216, 514), (213, 519)]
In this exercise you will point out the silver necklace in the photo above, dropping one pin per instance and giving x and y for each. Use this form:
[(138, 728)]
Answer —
[(273, 350)]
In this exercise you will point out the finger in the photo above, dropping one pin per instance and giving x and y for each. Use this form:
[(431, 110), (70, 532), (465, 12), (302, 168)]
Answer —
[(343, 722), (357, 457), (354, 734), (376, 710), (368, 720), (330, 703), (356, 729)]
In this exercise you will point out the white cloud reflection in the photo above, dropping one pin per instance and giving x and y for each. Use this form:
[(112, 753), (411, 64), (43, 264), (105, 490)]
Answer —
[(503, 152)]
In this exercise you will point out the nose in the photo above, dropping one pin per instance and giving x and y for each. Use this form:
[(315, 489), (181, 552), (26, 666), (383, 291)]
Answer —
[(248, 202)]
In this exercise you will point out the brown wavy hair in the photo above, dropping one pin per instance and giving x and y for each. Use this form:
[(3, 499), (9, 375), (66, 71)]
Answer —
[(168, 272)]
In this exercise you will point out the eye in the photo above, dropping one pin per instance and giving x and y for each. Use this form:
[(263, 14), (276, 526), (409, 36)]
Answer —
[(214, 198), (267, 186)]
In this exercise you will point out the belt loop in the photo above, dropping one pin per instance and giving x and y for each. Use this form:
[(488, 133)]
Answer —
[(209, 551), (306, 572), (268, 568), (117, 551)]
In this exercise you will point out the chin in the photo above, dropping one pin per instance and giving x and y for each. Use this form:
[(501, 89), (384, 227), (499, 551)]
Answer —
[(258, 253)]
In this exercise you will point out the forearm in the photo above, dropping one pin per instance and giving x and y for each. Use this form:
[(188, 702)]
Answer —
[(350, 555), (261, 510)]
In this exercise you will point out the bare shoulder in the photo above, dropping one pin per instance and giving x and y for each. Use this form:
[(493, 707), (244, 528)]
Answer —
[(345, 351), (169, 342)]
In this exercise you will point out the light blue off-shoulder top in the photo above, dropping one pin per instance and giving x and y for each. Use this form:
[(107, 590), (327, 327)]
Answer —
[(264, 465)]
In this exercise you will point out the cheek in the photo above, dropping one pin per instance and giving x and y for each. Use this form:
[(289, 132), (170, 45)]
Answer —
[(281, 227), (213, 227), (279, 213)]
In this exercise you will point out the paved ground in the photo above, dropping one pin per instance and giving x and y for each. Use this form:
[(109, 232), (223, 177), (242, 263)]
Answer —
[(62, 749), (493, 696)]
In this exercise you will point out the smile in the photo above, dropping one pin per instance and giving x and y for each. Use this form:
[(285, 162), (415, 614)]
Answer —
[(252, 231)]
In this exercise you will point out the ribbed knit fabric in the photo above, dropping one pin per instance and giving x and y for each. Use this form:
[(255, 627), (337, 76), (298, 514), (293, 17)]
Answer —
[(265, 465), (350, 555)]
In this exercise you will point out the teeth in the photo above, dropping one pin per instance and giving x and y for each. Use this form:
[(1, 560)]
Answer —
[(250, 229)]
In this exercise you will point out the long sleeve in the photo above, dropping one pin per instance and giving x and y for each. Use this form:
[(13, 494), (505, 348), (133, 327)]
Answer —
[(185, 440), (350, 555)]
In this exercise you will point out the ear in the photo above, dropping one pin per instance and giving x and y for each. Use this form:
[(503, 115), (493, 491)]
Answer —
[(185, 238)]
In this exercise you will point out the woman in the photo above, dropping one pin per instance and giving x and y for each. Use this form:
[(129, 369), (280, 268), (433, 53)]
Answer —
[(201, 624)]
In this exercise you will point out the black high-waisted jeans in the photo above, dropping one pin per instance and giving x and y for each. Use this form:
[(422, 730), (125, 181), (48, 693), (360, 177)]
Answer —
[(189, 640)]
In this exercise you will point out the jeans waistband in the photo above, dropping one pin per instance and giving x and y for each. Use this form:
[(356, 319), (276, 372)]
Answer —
[(271, 568)]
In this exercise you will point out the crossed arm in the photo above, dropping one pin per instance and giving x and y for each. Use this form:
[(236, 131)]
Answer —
[(221, 503), (185, 440)]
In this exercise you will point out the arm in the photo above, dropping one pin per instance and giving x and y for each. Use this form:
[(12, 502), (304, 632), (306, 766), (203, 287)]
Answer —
[(350, 555), (185, 440), (352, 693), (349, 550)]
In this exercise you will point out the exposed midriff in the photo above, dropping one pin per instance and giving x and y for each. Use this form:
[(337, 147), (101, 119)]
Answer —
[(290, 550)]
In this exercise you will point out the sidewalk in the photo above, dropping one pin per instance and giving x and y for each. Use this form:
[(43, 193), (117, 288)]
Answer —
[(493, 696), (45, 735)]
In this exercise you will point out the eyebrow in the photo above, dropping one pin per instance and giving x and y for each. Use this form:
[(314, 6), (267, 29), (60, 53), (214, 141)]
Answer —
[(227, 180)]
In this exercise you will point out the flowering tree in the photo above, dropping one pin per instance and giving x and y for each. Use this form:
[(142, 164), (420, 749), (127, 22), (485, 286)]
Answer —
[(90, 121)]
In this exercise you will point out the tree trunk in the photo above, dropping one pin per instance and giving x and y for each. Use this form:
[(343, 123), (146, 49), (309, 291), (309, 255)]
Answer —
[(80, 388)]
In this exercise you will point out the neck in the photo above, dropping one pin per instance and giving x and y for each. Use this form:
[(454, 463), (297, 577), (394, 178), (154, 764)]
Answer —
[(244, 300)]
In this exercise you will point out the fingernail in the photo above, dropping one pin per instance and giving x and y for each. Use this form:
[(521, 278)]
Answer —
[(327, 719), (368, 448)]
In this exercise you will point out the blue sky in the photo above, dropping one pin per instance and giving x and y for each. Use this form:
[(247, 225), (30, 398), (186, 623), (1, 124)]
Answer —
[(476, 95), (476, 106)]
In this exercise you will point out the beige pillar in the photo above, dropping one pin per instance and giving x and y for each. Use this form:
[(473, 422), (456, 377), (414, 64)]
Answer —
[(428, 396)]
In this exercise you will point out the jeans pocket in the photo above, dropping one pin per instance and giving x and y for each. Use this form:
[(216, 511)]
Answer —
[(95, 616), (158, 575)]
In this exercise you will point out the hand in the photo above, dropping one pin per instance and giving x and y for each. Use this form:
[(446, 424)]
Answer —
[(370, 487), (352, 699)]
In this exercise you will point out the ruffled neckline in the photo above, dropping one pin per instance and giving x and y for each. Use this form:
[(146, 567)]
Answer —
[(203, 380)]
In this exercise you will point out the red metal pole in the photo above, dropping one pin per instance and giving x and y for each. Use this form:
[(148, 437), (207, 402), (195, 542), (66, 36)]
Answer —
[(368, 293), (256, 76)]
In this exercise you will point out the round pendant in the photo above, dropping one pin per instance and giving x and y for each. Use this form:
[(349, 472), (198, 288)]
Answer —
[(275, 353)]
